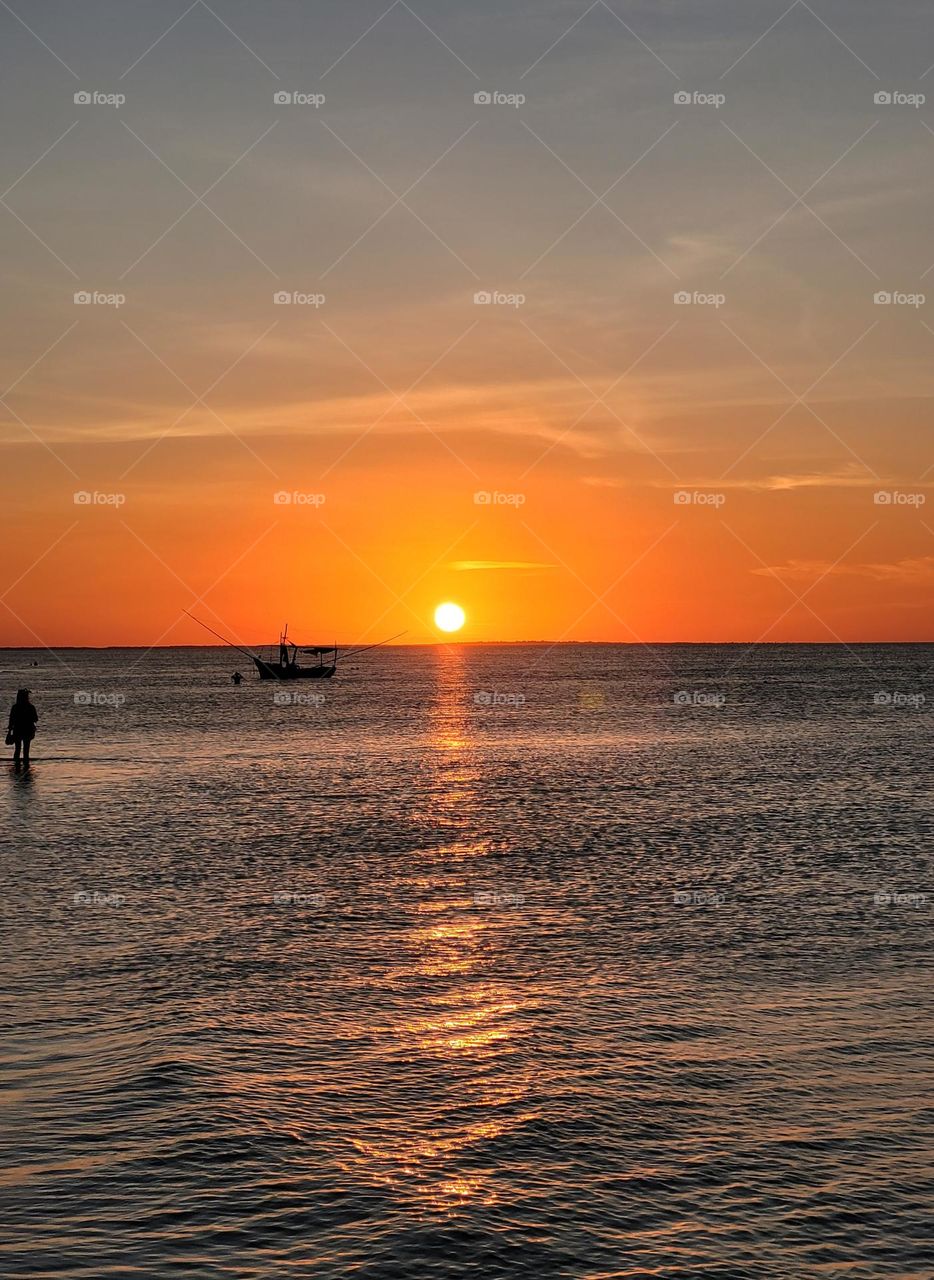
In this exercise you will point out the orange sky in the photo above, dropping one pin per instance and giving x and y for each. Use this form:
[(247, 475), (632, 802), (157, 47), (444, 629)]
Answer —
[(782, 398), (582, 557)]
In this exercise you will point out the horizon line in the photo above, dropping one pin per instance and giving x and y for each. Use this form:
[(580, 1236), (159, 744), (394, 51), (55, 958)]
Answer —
[(448, 644)]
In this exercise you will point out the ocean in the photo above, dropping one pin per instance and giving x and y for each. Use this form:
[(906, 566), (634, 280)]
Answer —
[(590, 961)]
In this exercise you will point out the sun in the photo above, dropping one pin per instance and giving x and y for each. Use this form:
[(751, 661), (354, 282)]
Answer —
[(449, 617)]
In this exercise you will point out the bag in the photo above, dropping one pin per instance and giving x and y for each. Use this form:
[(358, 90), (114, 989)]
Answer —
[(9, 738)]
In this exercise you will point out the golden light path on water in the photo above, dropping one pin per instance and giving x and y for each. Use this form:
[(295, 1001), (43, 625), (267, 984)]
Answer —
[(463, 1031)]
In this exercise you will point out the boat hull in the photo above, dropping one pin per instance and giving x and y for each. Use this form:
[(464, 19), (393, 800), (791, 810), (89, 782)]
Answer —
[(276, 671)]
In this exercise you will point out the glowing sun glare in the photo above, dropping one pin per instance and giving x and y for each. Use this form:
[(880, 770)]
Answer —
[(449, 617)]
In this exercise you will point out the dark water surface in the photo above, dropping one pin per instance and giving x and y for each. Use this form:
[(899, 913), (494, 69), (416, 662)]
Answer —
[(596, 962)]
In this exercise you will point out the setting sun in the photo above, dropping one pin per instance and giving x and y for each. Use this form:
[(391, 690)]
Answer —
[(449, 617)]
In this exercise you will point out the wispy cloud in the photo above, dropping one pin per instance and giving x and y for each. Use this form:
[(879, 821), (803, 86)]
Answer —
[(469, 566), (919, 570), (852, 476)]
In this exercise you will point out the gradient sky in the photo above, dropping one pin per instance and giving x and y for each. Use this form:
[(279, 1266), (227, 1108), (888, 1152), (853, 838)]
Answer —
[(590, 405)]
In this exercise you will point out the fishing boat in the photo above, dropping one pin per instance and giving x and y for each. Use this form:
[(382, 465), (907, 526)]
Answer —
[(289, 668), (286, 665)]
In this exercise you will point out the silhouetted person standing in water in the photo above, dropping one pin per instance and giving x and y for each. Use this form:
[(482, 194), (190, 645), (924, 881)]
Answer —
[(22, 727)]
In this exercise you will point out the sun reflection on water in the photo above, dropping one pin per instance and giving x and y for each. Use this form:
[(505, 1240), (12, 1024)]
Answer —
[(452, 761), (457, 1036)]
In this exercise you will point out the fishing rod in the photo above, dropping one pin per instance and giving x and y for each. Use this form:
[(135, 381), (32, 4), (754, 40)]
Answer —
[(245, 652), (352, 653)]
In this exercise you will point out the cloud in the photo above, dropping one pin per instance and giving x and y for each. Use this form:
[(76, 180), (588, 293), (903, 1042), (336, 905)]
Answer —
[(909, 571), (853, 476), (469, 566)]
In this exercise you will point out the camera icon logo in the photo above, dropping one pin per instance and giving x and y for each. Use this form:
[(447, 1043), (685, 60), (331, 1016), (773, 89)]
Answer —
[(882, 498), (82, 498), (482, 99), (682, 498), (682, 99), (282, 298), (83, 298), (882, 98), (282, 498), (483, 298), (282, 98), (883, 298), (682, 299), (483, 498), (82, 98)]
